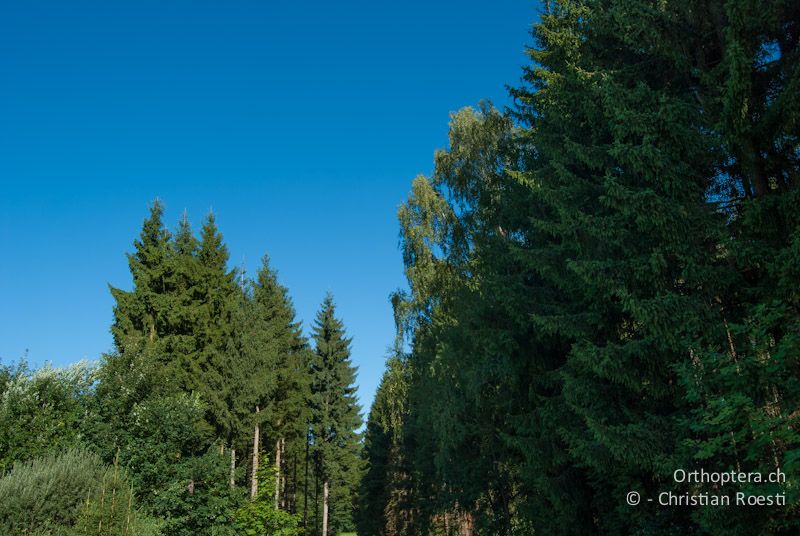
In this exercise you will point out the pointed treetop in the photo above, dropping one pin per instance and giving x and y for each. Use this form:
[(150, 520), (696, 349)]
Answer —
[(333, 401), (213, 251), (152, 241), (266, 275), (185, 242), (329, 333), (268, 290), (327, 309), (153, 226)]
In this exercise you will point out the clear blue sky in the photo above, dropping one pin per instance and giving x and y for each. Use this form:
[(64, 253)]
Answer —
[(301, 123)]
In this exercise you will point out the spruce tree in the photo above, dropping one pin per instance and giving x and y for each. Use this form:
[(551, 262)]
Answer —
[(275, 375), (742, 380), (217, 299), (160, 314), (335, 419), (621, 176), (182, 317), (139, 314), (287, 404)]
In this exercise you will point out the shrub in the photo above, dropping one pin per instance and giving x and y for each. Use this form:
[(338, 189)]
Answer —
[(260, 517), (47, 492), (69, 494)]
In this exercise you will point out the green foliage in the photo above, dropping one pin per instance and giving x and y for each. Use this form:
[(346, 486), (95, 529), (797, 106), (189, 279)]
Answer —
[(197, 498), (139, 315), (43, 411), (165, 443), (271, 365), (47, 492), (110, 511), (216, 292), (179, 310), (69, 494), (274, 376), (278, 334), (463, 284), (383, 496), (335, 415), (189, 374), (260, 517), (602, 282), (153, 427)]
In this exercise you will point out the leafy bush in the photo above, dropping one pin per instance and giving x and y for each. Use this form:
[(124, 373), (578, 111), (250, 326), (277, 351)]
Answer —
[(163, 441), (42, 411), (47, 492), (198, 501), (68, 494), (111, 511), (259, 517)]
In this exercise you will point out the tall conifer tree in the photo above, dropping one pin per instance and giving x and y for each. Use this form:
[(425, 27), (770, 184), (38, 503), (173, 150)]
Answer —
[(139, 314), (182, 317), (275, 374), (217, 299), (335, 419)]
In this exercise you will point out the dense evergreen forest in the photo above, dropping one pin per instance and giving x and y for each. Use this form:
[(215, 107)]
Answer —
[(603, 287), (214, 415), (602, 296)]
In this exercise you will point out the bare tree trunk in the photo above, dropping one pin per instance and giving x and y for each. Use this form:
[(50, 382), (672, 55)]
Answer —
[(254, 476), (305, 486), (325, 507), (277, 472), (465, 524), (316, 503), (282, 476), (233, 467), (293, 501)]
